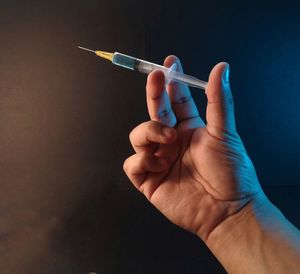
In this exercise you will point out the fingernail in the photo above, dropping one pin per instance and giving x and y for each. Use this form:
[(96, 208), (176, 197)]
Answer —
[(225, 75), (168, 132)]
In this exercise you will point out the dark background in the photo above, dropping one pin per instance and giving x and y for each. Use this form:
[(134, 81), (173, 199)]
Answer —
[(66, 206)]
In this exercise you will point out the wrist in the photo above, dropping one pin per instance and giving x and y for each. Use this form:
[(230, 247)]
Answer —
[(256, 237), (233, 225), (230, 240)]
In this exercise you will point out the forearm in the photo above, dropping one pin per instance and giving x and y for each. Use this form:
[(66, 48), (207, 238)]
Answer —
[(258, 239)]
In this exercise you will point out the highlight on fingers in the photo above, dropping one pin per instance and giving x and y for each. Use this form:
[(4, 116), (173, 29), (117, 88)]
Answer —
[(220, 106)]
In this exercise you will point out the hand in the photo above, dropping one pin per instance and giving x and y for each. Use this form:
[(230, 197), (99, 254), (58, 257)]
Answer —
[(197, 175)]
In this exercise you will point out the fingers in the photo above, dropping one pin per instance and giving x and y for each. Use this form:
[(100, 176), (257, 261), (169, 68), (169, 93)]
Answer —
[(181, 99), (220, 107), (147, 165), (139, 165), (158, 102), (174, 105), (147, 136)]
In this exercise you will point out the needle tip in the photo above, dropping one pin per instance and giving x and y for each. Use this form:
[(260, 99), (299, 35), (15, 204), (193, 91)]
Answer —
[(86, 49)]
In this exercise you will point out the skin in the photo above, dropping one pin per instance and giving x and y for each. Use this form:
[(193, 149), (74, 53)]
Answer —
[(197, 175), (201, 178)]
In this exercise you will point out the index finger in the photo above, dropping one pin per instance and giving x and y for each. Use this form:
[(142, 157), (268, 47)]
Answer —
[(181, 98)]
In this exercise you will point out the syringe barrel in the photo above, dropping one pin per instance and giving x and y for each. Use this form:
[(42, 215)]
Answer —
[(124, 60), (146, 67), (133, 63)]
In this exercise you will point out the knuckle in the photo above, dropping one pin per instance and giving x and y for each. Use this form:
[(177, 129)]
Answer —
[(163, 113), (133, 133), (229, 100), (153, 126), (131, 136), (127, 165), (229, 104), (155, 130)]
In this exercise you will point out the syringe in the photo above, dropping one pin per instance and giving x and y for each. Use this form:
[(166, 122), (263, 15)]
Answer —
[(146, 67)]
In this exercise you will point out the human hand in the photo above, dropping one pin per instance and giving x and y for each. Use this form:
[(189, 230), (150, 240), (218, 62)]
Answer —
[(197, 175)]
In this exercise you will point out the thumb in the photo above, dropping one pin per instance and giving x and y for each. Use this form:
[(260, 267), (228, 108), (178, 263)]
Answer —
[(220, 107)]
